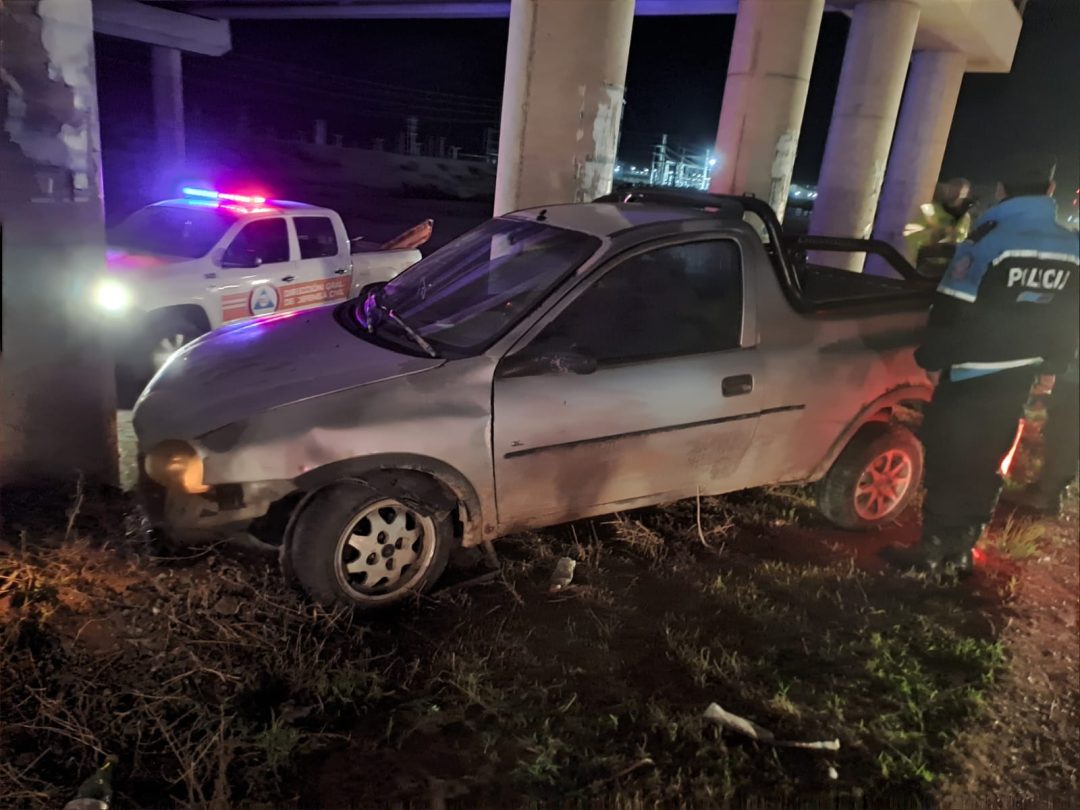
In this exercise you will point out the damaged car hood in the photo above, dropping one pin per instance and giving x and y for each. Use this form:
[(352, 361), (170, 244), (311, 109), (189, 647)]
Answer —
[(237, 371)]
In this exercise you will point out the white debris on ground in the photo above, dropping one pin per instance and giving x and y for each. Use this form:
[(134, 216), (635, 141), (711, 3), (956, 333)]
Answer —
[(563, 574), (750, 729)]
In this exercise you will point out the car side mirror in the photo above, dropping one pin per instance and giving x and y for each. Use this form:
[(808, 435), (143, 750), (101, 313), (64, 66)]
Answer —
[(528, 364), (247, 259), (369, 288)]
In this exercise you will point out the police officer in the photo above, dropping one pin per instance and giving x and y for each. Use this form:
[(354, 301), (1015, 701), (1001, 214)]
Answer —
[(1005, 310), (939, 225)]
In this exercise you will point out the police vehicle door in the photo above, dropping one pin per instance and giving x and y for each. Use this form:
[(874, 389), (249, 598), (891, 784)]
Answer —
[(255, 268), (324, 272)]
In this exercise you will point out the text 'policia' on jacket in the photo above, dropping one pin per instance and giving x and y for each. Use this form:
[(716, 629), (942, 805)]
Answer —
[(1009, 297)]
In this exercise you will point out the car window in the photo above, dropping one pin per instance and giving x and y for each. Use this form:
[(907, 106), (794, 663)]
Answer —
[(264, 239), (183, 230), (468, 293), (316, 236), (671, 301)]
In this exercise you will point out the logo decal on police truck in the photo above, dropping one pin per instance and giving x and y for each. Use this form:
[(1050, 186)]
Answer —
[(263, 301)]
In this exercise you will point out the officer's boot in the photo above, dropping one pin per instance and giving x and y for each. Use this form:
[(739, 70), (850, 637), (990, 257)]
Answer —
[(941, 550)]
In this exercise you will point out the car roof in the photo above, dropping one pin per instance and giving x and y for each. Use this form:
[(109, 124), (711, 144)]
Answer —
[(283, 205), (609, 218)]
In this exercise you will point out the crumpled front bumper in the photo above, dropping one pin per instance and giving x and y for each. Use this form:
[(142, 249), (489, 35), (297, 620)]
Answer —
[(223, 513)]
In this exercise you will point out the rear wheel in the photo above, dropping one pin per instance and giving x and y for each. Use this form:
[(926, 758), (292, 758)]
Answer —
[(370, 545), (874, 480)]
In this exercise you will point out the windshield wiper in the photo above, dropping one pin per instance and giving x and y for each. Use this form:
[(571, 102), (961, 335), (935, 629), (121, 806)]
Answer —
[(416, 337)]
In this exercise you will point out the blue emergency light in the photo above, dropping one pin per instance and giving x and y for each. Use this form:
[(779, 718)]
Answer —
[(220, 196)]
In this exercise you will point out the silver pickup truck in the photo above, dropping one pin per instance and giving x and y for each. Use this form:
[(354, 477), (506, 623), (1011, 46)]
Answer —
[(550, 365)]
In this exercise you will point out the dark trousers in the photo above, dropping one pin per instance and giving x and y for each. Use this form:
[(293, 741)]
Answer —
[(968, 428), (1061, 437)]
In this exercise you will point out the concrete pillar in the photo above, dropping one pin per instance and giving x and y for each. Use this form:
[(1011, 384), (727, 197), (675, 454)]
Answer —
[(926, 115), (57, 400), (772, 54), (168, 80), (864, 117), (562, 100)]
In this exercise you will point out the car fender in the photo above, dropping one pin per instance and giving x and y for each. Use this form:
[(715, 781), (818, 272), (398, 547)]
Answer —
[(454, 482), (867, 414), (194, 312)]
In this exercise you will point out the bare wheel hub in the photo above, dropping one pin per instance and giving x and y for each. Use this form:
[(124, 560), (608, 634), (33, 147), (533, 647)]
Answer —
[(883, 484), (385, 548)]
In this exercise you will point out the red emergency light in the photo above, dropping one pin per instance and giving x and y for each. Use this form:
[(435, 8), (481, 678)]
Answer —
[(1006, 463), (221, 196)]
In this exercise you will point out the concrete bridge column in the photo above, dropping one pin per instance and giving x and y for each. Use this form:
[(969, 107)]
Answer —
[(168, 83), (57, 400), (926, 115), (562, 100), (864, 118), (772, 54)]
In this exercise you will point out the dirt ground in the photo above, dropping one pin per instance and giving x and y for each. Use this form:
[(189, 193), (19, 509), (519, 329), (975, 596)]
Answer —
[(217, 686), (1026, 747)]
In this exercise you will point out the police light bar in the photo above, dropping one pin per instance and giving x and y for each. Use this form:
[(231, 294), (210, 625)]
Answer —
[(221, 196)]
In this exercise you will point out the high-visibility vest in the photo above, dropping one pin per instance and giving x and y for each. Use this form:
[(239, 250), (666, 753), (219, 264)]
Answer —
[(934, 225)]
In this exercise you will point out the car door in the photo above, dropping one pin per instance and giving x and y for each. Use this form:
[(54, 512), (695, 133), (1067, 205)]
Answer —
[(640, 389), (254, 269), (323, 268)]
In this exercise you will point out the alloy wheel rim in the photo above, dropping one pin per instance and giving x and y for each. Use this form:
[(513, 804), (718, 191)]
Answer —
[(166, 349), (385, 548), (883, 484)]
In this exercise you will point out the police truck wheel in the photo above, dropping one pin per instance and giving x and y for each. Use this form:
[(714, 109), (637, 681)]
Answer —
[(369, 545), (165, 337), (874, 479), (159, 341)]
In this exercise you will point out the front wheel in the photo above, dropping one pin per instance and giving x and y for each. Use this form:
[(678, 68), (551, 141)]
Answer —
[(353, 543), (874, 480), (162, 337)]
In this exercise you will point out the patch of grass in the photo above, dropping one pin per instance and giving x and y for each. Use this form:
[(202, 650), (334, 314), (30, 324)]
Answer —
[(277, 743), (638, 537), (224, 686), (1019, 539)]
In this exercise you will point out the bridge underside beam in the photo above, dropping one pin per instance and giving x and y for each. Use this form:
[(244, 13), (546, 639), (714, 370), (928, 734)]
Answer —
[(156, 26), (427, 9)]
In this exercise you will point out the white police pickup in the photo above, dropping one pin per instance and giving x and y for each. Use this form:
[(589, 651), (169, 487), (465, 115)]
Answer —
[(182, 267)]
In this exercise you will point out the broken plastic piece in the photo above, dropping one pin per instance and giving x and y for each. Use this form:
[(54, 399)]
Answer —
[(86, 804), (750, 729), (563, 574), (739, 724)]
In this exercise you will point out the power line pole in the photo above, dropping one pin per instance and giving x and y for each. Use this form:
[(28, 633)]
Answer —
[(57, 399)]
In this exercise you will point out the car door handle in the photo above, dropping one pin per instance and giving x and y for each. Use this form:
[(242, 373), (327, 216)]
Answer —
[(288, 278), (737, 386), (342, 270)]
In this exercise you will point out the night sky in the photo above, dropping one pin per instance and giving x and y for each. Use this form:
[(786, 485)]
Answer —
[(365, 76)]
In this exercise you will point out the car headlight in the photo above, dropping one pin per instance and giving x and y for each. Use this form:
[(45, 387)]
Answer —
[(112, 296), (176, 465)]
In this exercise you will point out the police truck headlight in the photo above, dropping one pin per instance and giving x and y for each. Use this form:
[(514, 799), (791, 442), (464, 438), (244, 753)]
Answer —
[(112, 296), (176, 465)]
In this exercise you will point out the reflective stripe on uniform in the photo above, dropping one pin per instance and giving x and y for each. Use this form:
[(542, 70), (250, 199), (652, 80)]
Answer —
[(1000, 366), (1036, 254), (963, 296)]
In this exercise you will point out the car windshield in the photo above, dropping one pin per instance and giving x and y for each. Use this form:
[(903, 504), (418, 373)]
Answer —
[(187, 231), (466, 295)]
